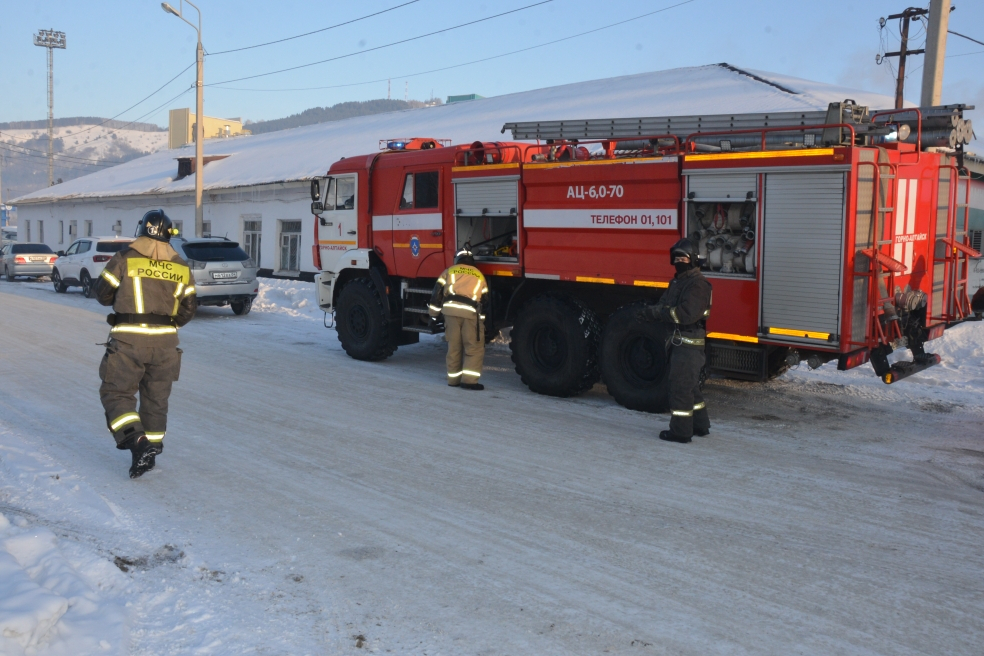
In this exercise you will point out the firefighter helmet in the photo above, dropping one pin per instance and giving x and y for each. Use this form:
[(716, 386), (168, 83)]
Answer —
[(156, 225), (464, 257), (685, 248)]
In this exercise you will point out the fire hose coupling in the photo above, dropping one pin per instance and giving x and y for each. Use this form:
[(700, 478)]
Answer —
[(908, 300)]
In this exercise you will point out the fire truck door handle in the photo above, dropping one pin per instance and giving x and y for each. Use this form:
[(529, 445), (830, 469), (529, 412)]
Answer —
[(437, 233), (351, 232)]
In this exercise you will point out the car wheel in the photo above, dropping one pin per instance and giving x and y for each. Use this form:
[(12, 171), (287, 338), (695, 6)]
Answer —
[(57, 283), (362, 327), (554, 344), (242, 307), (86, 280), (6, 272), (634, 362)]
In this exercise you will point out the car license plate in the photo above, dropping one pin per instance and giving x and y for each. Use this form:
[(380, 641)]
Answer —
[(219, 275), (38, 259)]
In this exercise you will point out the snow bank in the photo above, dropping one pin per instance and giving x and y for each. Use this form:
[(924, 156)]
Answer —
[(956, 381), (292, 298), (57, 596)]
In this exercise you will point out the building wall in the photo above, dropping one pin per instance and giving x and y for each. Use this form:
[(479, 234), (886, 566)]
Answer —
[(226, 212), (181, 127)]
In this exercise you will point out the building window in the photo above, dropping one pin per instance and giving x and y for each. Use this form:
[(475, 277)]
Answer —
[(27, 236), (88, 228), (73, 230), (206, 228), (290, 245), (118, 228), (179, 226), (252, 236), (61, 232), (41, 231)]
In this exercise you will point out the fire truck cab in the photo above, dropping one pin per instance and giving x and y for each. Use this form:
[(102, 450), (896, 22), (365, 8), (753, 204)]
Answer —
[(831, 240)]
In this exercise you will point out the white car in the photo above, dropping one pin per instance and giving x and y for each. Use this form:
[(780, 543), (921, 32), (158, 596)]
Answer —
[(81, 264)]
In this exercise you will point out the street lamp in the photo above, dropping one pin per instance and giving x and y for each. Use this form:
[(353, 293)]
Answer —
[(199, 118)]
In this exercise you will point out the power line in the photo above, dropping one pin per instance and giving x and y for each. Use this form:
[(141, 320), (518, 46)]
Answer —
[(966, 37), (83, 160), (58, 162), (139, 102), (476, 61), (388, 45), (62, 155), (323, 29)]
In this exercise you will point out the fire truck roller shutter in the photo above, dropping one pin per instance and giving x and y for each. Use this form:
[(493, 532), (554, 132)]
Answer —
[(485, 214), (634, 363), (802, 261), (554, 344)]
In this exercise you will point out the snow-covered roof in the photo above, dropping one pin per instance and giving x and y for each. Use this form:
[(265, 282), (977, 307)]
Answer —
[(302, 153)]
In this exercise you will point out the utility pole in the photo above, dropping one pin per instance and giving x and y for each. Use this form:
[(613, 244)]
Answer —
[(50, 39), (906, 16), (939, 22), (199, 112), (388, 89)]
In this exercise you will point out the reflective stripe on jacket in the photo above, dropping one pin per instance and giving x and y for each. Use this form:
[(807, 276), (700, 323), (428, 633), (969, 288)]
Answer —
[(459, 292), (134, 283)]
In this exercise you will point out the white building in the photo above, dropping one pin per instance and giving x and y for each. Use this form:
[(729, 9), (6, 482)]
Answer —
[(258, 193)]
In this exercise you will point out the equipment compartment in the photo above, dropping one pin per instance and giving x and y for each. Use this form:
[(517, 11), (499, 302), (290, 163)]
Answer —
[(486, 217), (722, 218)]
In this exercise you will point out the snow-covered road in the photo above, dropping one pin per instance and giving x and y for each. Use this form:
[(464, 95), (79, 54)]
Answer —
[(307, 503)]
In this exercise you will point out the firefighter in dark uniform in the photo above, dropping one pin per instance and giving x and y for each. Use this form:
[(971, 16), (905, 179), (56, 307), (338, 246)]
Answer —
[(152, 293), (459, 295), (685, 307)]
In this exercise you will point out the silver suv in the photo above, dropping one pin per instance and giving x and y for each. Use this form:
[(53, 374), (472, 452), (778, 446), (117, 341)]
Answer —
[(224, 274)]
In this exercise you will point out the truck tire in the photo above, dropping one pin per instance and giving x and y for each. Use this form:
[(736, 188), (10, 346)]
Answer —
[(554, 344), (634, 365), (361, 322)]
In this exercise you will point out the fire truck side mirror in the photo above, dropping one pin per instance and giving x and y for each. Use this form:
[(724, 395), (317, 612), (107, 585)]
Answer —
[(315, 190), (317, 207)]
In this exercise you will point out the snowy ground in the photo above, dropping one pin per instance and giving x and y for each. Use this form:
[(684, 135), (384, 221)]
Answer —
[(307, 503)]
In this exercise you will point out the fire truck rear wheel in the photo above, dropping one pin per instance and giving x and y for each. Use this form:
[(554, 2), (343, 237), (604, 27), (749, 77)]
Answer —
[(554, 344), (634, 365), (362, 327)]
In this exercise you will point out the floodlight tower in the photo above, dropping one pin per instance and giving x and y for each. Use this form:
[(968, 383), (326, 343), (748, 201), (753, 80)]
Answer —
[(50, 39)]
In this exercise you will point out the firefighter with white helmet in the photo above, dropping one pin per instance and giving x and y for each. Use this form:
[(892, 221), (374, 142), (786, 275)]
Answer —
[(685, 307), (459, 295), (153, 294)]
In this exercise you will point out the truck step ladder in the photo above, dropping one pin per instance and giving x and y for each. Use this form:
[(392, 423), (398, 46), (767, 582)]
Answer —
[(416, 316)]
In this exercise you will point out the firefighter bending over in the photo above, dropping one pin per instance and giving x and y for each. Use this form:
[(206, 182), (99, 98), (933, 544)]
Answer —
[(152, 293), (459, 295), (685, 307)]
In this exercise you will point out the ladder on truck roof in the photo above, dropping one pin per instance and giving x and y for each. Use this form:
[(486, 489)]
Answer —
[(948, 126)]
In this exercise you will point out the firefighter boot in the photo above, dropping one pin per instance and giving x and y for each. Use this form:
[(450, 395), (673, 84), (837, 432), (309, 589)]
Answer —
[(478, 387), (668, 436), (144, 453)]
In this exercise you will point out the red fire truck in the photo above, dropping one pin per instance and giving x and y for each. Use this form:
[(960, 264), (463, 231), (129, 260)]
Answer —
[(826, 236)]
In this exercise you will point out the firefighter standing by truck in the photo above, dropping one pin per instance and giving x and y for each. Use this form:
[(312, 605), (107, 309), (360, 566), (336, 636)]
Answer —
[(152, 293), (459, 295), (685, 307)]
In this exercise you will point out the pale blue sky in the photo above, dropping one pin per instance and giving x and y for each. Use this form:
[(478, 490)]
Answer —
[(121, 50)]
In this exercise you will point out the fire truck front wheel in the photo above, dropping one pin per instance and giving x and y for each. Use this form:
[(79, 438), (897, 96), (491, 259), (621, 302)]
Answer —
[(362, 326), (634, 365), (554, 343)]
